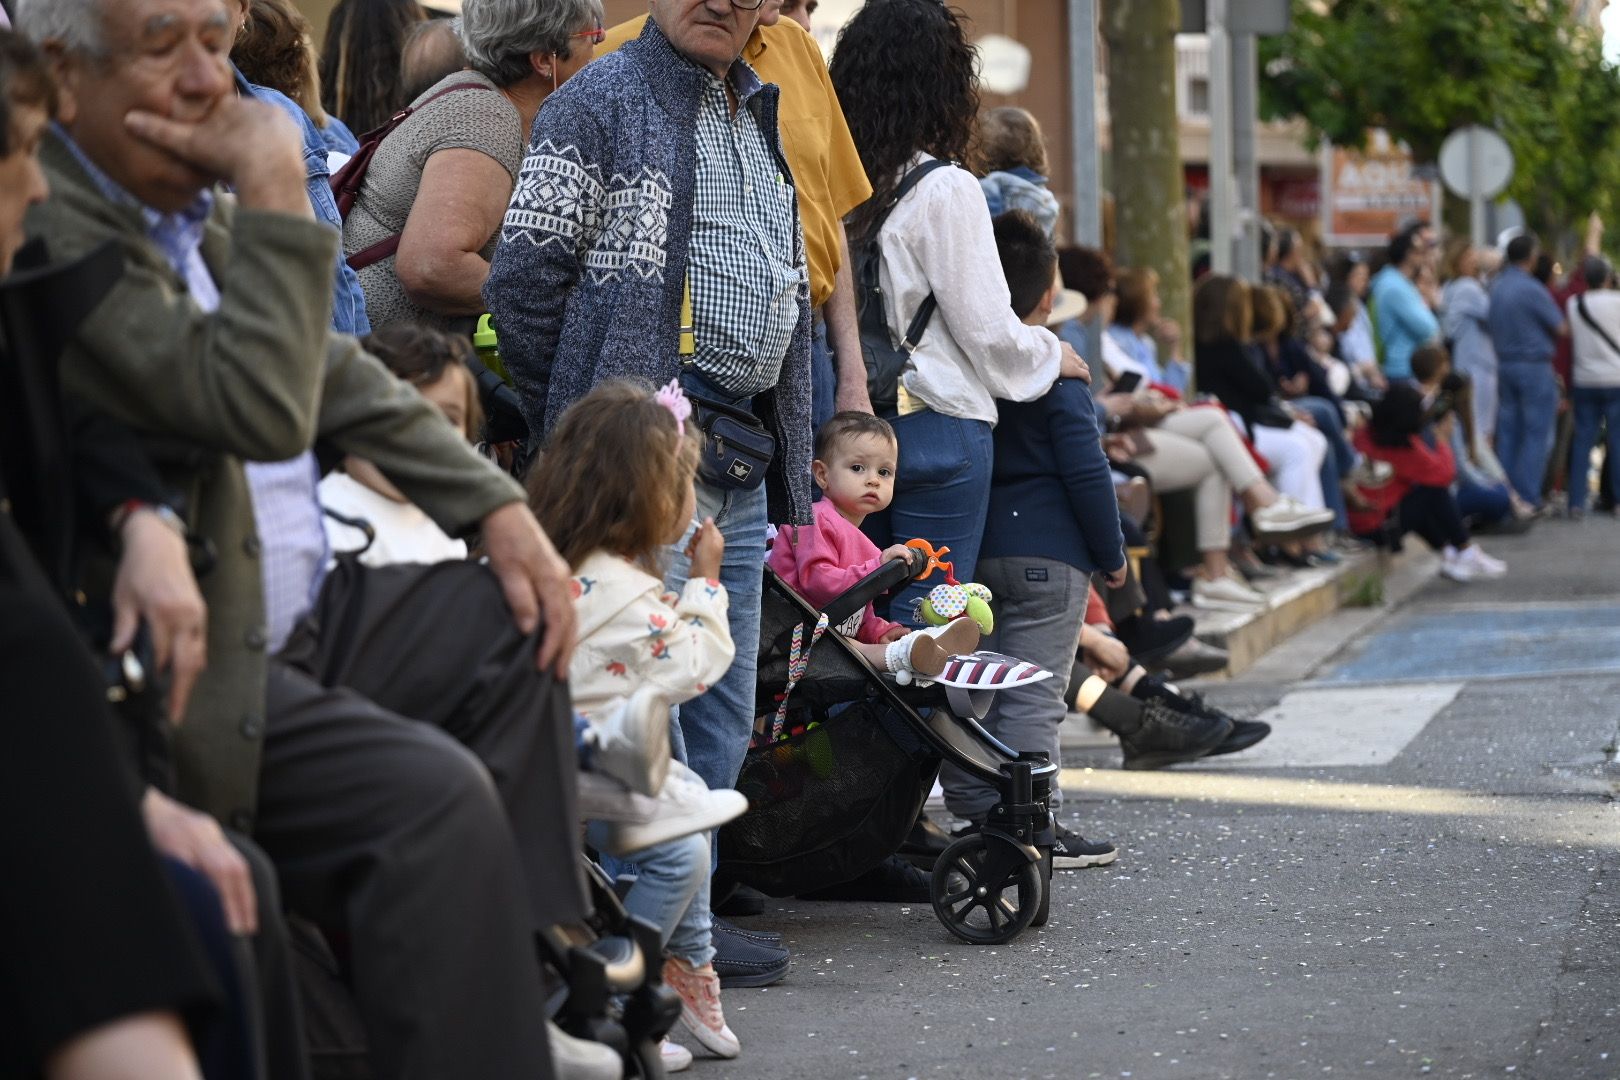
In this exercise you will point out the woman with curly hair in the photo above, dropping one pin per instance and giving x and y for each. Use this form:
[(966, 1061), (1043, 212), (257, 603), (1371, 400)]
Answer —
[(905, 77)]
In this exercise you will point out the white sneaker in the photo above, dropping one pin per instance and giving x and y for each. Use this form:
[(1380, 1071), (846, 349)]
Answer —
[(602, 798), (684, 806), (1289, 516), (1483, 564), (677, 1058), (1224, 594), (632, 742), (580, 1059), (1456, 566)]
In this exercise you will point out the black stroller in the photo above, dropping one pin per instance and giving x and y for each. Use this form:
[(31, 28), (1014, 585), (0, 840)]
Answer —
[(847, 758)]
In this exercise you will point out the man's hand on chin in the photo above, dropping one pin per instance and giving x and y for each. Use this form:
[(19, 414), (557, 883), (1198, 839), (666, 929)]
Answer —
[(248, 144)]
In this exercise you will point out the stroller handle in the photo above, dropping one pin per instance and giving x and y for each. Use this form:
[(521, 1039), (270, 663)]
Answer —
[(892, 575)]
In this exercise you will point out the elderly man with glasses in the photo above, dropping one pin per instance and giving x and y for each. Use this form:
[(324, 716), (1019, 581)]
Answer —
[(655, 233)]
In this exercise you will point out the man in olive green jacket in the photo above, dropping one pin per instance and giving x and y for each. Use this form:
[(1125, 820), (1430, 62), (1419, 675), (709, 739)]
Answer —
[(215, 348)]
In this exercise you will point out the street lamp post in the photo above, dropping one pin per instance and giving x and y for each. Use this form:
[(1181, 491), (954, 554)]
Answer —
[(1084, 141)]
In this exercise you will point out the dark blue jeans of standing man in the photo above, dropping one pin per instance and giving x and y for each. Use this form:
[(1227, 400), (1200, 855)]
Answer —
[(823, 378), (941, 492), (1341, 456), (1526, 420), (1593, 405)]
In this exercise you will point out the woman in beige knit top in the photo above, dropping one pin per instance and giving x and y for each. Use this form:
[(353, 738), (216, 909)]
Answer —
[(440, 182)]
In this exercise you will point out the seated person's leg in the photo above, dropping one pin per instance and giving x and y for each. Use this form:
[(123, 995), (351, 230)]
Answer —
[(438, 645), (1482, 504), (271, 961), (393, 830)]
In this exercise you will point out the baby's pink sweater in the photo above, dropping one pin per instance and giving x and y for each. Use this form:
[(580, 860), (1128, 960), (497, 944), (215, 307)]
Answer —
[(823, 560)]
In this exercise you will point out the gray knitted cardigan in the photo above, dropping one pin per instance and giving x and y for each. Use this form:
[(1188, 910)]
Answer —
[(586, 283)]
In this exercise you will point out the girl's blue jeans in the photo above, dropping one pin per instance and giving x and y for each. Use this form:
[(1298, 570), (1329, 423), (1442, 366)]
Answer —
[(671, 891)]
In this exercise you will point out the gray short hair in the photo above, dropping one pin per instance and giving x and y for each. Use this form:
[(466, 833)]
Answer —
[(499, 35), (77, 24)]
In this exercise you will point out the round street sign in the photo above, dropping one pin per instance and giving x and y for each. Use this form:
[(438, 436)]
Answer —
[(1489, 155)]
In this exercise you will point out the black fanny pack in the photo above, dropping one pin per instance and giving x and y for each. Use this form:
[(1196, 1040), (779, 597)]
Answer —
[(737, 449)]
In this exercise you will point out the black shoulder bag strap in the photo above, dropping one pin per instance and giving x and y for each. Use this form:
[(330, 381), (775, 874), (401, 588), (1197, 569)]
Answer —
[(925, 311), (1580, 305)]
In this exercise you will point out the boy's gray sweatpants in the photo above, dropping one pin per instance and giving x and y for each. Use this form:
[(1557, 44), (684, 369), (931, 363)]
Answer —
[(1040, 605)]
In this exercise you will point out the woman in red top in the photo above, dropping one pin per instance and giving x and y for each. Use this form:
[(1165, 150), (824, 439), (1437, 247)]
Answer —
[(1418, 498)]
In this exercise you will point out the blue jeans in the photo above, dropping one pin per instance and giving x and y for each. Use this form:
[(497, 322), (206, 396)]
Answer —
[(941, 493), (1341, 455), (823, 379), (671, 891), (715, 728), (1593, 404), (1483, 504), (1526, 421)]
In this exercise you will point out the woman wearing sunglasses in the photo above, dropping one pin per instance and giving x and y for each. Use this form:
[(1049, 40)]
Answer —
[(426, 220)]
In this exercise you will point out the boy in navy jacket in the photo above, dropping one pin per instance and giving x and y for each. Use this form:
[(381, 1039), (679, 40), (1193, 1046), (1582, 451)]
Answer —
[(1053, 521)]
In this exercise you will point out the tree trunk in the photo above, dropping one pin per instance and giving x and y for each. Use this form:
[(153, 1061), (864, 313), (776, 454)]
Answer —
[(1150, 204)]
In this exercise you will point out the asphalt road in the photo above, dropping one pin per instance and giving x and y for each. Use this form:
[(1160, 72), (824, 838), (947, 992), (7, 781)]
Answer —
[(1449, 906)]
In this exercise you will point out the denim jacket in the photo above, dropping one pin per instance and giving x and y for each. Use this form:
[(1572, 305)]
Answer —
[(348, 301)]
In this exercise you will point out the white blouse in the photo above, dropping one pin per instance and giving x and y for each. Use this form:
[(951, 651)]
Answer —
[(939, 239)]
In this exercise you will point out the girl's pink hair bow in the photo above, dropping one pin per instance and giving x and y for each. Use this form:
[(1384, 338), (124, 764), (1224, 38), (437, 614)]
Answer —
[(673, 398)]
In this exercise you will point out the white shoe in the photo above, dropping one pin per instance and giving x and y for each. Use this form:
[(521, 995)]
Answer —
[(632, 742), (1224, 594), (1457, 567), (684, 806), (1289, 516), (602, 798), (677, 1058), (580, 1059), (1482, 564)]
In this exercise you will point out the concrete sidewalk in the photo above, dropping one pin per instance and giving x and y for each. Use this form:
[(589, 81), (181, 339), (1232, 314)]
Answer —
[(1418, 877)]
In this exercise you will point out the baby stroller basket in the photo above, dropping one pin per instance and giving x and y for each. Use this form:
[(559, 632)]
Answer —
[(846, 757), (839, 788)]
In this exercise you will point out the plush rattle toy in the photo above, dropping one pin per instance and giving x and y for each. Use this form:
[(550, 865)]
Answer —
[(954, 599), (966, 600)]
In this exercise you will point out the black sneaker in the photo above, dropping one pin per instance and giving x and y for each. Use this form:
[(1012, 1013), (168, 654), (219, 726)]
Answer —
[(923, 846), (1150, 639), (1245, 733), (1172, 733), (1071, 851)]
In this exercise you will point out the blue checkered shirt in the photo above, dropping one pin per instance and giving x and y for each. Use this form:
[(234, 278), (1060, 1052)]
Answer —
[(286, 508), (747, 262)]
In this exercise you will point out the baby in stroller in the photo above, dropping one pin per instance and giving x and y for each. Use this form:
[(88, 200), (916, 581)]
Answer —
[(854, 468)]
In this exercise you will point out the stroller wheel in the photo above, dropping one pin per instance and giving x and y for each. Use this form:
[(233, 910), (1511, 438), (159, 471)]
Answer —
[(1044, 911), (983, 895)]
